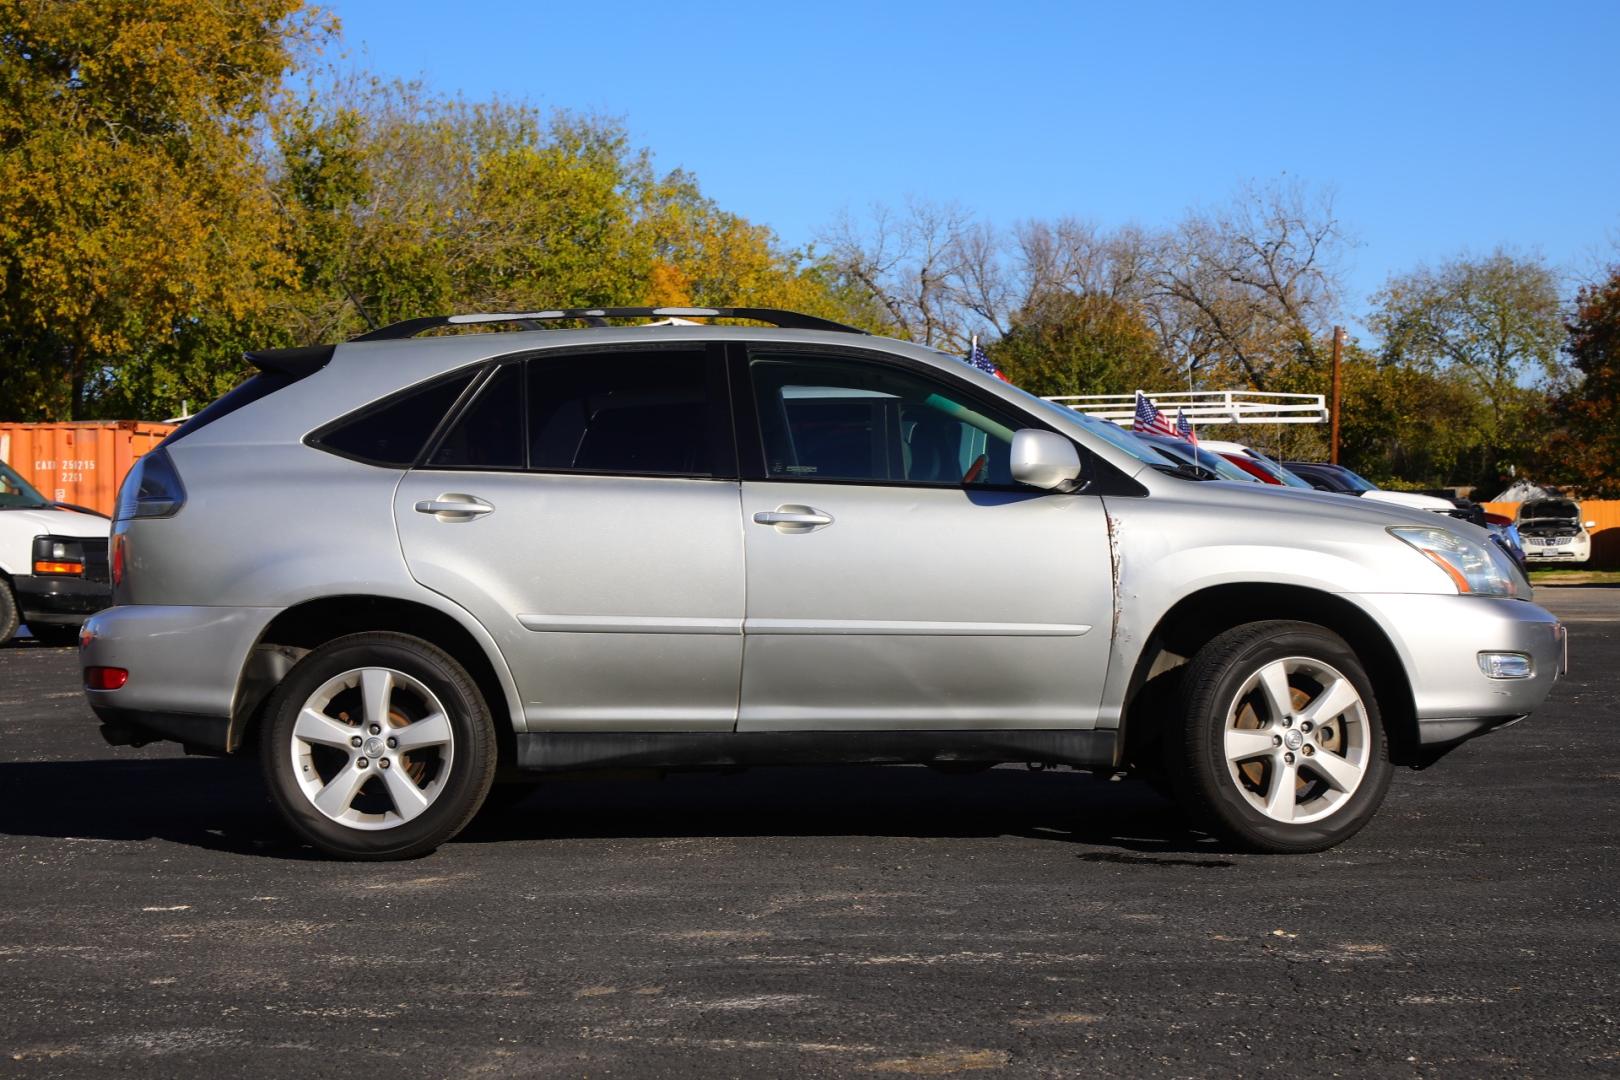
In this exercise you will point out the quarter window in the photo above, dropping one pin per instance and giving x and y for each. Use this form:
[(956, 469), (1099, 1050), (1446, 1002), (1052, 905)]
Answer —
[(840, 419), (395, 433)]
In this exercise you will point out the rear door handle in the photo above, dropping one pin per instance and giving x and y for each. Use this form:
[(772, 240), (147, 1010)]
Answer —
[(806, 516), (459, 505)]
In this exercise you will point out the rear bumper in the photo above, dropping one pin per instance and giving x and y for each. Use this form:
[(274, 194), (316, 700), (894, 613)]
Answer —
[(185, 666), (59, 601)]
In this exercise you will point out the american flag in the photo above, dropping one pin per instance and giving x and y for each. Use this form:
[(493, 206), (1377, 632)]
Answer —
[(1184, 427), (977, 358), (1149, 419)]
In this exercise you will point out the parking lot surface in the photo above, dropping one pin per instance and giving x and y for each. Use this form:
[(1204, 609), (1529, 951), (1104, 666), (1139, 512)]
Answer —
[(156, 920)]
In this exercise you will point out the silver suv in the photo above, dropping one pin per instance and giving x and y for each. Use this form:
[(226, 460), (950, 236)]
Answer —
[(408, 571)]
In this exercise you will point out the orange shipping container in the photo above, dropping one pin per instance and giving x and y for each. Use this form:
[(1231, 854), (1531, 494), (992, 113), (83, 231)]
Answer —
[(80, 463)]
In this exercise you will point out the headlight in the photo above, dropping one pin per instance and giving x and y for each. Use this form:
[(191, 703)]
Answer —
[(1476, 569)]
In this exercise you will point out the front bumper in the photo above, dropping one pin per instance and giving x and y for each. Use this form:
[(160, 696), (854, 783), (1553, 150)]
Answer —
[(1439, 639), (59, 601), (185, 666)]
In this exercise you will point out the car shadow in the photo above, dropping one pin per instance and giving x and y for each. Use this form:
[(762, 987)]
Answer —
[(221, 805)]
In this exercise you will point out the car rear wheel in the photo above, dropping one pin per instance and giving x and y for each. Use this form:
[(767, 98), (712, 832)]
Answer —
[(1283, 748), (378, 746)]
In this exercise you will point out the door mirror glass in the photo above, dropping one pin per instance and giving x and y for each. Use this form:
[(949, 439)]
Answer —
[(1045, 459)]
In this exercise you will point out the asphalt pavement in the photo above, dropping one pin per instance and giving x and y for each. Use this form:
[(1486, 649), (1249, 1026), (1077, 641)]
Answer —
[(156, 920)]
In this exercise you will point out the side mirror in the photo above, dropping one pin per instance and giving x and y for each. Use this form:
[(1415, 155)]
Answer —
[(1044, 459), (1588, 524)]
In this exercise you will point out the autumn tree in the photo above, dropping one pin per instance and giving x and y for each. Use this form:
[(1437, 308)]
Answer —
[(1586, 449), (134, 194)]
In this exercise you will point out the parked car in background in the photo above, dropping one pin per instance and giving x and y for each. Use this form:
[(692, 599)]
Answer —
[(1328, 477), (53, 563), (718, 546), (1256, 464), (1553, 531)]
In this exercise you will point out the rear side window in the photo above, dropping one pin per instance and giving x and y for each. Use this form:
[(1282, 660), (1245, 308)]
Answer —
[(648, 413), (395, 432)]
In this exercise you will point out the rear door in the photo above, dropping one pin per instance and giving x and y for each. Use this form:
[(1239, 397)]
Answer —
[(897, 576), (585, 509)]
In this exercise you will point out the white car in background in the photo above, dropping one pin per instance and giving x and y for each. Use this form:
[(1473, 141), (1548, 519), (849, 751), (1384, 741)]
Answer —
[(1552, 531)]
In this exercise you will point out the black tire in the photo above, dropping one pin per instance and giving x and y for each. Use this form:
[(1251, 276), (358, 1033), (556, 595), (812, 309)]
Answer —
[(1221, 796), (9, 616), (56, 635), (460, 786)]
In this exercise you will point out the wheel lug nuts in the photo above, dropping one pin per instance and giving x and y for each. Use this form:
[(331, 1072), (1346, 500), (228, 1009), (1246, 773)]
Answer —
[(355, 741), (392, 742), (361, 763), (1307, 750), (1288, 721), (382, 764), (1305, 725), (376, 729), (1289, 757), (1276, 740)]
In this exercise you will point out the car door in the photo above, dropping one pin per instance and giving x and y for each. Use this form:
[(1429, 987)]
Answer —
[(897, 577), (584, 507)]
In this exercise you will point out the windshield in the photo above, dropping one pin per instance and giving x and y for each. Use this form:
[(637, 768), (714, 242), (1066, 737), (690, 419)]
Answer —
[(1280, 473), (1206, 458), (1357, 481), (1110, 433), (16, 493)]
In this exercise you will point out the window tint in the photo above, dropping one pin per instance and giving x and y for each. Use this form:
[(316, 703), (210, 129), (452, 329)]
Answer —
[(838, 419), (395, 433), (623, 412), (489, 434)]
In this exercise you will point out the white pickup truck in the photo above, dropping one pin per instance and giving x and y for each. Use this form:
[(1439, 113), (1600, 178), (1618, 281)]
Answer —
[(53, 563)]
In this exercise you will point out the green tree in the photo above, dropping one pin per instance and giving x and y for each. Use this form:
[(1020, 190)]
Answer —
[(1492, 325), (1081, 344), (133, 187)]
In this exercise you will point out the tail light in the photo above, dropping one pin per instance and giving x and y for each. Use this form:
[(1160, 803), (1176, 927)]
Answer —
[(118, 559), (152, 489), (105, 678)]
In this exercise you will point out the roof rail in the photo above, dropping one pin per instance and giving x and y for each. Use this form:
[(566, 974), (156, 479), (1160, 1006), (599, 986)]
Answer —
[(793, 320)]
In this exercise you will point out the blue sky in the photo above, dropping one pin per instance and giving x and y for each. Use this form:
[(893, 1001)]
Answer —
[(1440, 127)]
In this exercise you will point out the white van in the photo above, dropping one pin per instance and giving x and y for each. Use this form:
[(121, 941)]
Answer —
[(53, 563)]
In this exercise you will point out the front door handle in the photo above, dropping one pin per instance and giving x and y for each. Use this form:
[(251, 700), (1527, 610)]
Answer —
[(805, 517), (461, 506)]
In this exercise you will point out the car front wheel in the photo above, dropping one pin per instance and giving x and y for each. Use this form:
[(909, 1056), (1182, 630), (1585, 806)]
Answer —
[(378, 746), (1283, 747)]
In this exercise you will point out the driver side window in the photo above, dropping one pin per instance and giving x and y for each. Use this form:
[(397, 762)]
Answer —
[(833, 418)]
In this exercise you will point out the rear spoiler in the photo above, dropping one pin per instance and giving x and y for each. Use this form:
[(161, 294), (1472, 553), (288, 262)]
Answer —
[(298, 362)]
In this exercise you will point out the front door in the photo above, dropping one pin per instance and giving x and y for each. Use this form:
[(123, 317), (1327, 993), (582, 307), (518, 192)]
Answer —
[(585, 509), (897, 576)]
